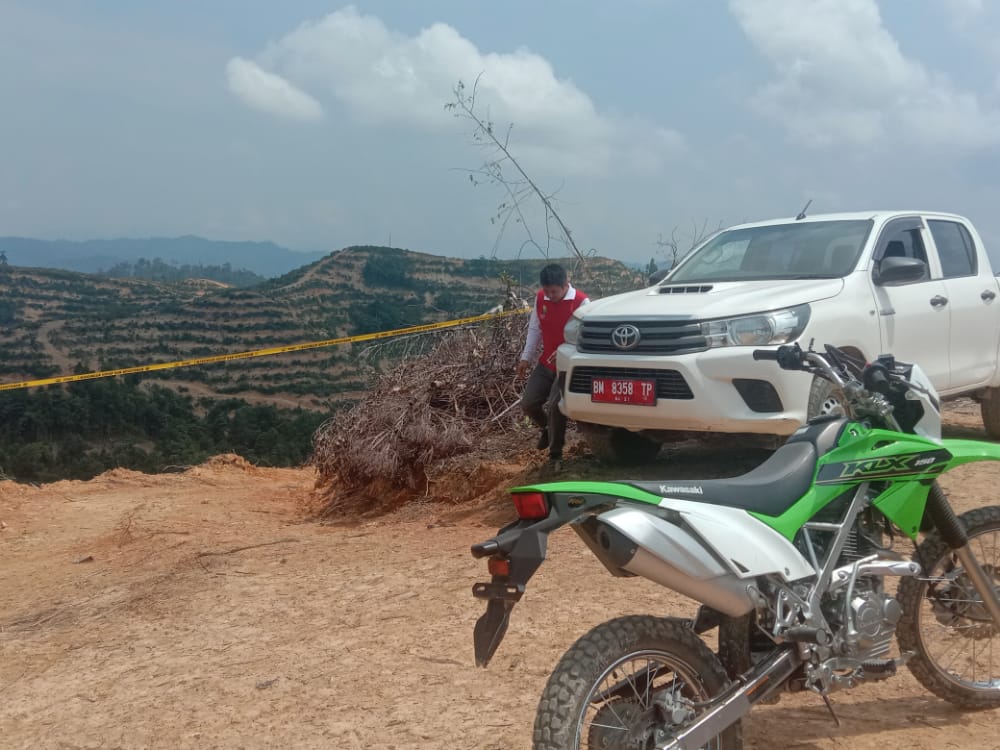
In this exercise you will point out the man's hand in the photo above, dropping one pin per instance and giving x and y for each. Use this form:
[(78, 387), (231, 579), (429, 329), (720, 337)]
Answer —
[(523, 368)]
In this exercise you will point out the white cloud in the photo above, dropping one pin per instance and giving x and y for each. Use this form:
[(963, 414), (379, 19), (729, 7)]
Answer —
[(269, 92), (385, 77), (965, 11), (842, 78)]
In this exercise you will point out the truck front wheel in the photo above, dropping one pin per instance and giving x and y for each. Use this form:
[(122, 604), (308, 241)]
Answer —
[(615, 445), (989, 407), (822, 400)]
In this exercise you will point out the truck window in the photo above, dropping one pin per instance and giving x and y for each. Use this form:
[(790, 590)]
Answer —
[(724, 257), (794, 250), (904, 243), (955, 248)]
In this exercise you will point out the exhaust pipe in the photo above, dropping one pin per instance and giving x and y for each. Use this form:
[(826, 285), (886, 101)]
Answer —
[(634, 541)]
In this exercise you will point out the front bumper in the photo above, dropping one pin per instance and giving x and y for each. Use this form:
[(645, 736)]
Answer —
[(718, 390)]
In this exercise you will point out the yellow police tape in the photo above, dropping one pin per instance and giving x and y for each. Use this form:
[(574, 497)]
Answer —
[(261, 352)]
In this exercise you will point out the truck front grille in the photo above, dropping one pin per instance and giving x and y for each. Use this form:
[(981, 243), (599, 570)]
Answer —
[(669, 383), (655, 337)]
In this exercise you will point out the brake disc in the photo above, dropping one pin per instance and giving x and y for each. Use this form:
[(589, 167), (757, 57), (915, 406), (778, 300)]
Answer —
[(615, 726), (957, 605)]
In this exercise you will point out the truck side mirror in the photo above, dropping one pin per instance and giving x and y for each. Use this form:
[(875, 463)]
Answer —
[(893, 271)]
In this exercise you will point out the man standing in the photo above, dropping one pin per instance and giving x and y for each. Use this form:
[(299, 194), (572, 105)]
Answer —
[(554, 305)]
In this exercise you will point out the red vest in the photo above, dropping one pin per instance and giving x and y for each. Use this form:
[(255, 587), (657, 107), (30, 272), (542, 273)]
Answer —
[(552, 318)]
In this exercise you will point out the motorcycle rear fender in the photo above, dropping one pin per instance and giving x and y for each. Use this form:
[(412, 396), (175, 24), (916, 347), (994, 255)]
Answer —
[(747, 546), (523, 545)]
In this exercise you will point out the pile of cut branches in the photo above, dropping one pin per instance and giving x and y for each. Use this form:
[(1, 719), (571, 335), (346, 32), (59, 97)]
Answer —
[(459, 397)]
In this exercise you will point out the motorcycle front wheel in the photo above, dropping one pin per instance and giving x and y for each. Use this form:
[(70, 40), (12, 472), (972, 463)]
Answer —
[(629, 684), (945, 623)]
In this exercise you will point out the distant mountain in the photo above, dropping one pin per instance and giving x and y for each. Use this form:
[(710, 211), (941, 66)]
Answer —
[(91, 256)]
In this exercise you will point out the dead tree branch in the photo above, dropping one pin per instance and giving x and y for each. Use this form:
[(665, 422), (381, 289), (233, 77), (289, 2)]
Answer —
[(516, 190), (679, 245)]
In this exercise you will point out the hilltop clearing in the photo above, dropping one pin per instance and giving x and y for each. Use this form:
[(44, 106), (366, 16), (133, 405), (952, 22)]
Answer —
[(209, 608)]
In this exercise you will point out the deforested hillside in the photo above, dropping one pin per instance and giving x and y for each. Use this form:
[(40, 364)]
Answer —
[(56, 322)]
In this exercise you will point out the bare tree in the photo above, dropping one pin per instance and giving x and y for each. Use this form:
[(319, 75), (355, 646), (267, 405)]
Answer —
[(518, 187), (680, 244)]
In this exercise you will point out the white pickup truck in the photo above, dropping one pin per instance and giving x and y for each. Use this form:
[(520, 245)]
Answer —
[(641, 367)]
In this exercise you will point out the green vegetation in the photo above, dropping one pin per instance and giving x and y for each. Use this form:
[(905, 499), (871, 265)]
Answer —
[(78, 431), (377, 315), (51, 317), (8, 312), (388, 269), (161, 271)]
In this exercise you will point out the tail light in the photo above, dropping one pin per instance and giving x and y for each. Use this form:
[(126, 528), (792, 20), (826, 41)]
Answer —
[(531, 506), (498, 566)]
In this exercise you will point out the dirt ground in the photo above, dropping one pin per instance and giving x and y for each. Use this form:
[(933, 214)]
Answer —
[(208, 609)]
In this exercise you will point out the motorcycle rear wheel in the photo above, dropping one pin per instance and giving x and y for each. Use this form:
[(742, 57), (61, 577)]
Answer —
[(944, 621), (612, 689)]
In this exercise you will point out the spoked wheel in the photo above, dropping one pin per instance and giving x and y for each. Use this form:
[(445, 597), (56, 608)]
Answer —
[(630, 684), (957, 644)]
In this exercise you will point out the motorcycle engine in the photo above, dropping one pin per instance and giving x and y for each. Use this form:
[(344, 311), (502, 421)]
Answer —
[(875, 615), (866, 624)]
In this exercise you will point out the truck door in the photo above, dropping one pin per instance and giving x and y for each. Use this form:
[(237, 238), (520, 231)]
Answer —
[(914, 317), (973, 304)]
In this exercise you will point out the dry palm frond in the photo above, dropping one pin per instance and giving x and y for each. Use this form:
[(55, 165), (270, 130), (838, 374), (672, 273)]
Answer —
[(456, 399)]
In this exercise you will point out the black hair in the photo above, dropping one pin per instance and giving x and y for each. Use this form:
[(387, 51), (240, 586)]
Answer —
[(552, 275)]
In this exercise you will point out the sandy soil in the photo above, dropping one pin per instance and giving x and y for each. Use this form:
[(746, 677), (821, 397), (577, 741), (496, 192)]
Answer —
[(206, 610)]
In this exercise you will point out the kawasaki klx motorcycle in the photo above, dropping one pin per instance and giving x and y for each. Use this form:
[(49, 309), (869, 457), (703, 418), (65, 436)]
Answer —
[(796, 564)]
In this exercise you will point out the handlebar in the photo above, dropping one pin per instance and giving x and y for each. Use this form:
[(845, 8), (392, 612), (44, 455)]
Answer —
[(864, 389), (876, 378), (788, 356)]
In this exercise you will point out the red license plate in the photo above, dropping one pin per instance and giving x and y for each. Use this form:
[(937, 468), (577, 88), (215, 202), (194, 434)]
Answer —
[(623, 391)]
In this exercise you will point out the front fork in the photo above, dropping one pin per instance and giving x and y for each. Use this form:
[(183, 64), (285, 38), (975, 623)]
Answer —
[(953, 533), (980, 582)]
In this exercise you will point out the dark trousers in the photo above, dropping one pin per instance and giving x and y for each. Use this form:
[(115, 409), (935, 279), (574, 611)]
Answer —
[(541, 392)]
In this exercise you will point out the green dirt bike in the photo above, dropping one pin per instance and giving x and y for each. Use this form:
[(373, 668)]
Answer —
[(789, 561)]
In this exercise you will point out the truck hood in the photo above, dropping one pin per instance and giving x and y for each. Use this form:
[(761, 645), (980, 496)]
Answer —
[(708, 301)]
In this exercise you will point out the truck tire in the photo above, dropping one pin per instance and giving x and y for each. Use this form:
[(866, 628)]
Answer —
[(989, 407), (822, 400), (618, 446)]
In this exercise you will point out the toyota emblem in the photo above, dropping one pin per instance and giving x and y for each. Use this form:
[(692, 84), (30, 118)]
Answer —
[(626, 337)]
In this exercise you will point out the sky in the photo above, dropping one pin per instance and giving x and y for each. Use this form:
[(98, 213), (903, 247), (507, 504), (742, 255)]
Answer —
[(319, 125)]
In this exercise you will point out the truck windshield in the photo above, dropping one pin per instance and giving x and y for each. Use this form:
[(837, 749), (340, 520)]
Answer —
[(800, 250)]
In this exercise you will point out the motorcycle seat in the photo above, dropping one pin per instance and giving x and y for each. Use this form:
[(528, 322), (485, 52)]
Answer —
[(771, 488), (775, 485)]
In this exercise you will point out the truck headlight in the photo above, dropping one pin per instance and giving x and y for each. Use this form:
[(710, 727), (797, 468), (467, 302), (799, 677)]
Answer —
[(572, 330), (764, 329)]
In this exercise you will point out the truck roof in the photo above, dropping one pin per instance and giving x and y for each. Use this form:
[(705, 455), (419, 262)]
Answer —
[(879, 217)]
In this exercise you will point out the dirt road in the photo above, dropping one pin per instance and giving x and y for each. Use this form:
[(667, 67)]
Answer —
[(202, 610)]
